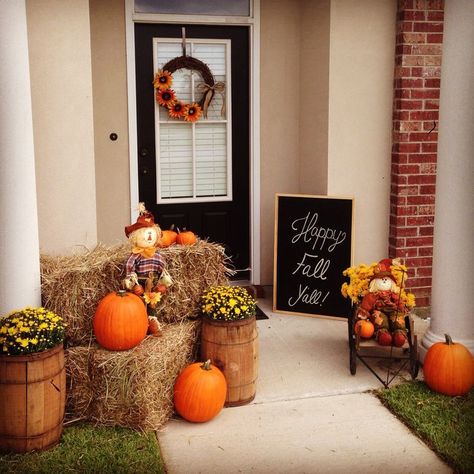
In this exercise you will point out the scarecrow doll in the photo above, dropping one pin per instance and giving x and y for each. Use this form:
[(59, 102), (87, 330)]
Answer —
[(145, 268), (383, 307)]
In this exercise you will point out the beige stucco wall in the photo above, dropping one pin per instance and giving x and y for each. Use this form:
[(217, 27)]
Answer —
[(61, 88), (360, 116), (109, 79), (328, 65)]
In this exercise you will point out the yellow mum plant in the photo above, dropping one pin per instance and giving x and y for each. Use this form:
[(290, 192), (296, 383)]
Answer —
[(30, 330), (228, 303), (361, 275)]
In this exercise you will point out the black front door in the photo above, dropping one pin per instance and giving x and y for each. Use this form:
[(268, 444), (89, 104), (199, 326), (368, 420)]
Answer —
[(228, 221)]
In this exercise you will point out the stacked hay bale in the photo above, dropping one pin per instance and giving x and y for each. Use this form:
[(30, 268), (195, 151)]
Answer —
[(129, 388)]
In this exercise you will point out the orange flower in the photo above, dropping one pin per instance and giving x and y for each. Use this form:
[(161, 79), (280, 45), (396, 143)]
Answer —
[(163, 80), (192, 112), (166, 98), (176, 110)]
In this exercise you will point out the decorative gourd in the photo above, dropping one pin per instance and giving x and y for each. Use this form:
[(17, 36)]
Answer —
[(364, 328), (120, 321), (448, 368), (199, 392), (186, 237), (168, 237)]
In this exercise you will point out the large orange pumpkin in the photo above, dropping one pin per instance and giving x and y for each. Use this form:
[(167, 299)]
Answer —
[(199, 392), (186, 237), (120, 321), (448, 368)]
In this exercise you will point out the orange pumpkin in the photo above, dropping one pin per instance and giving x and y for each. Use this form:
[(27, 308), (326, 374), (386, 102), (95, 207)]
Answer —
[(120, 321), (168, 237), (449, 368), (199, 392), (186, 238), (364, 328)]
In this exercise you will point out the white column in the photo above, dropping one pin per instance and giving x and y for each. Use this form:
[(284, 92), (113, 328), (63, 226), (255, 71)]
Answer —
[(452, 309), (19, 246)]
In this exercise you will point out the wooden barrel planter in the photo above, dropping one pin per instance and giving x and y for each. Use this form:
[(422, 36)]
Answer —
[(32, 400), (233, 347)]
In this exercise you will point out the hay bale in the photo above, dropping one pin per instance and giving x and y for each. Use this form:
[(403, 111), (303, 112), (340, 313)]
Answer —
[(73, 285), (131, 388)]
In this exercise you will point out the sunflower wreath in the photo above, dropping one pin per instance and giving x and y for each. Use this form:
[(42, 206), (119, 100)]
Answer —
[(166, 97)]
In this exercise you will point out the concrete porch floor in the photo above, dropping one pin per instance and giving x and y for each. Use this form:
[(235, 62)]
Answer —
[(310, 415)]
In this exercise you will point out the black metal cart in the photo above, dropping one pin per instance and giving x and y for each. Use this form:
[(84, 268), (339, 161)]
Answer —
[(399, 358)]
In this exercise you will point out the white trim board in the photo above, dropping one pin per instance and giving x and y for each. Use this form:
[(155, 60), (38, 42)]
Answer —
[(253, 23)]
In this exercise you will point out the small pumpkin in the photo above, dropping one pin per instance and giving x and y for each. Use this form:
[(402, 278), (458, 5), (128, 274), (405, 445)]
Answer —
[(448, 368), (364, 328), (168, 237), (199, 392), (120, 321), (186, 237)]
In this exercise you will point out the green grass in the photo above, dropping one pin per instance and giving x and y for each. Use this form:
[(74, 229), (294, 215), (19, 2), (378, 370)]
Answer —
[(89, 449), (445, 423)]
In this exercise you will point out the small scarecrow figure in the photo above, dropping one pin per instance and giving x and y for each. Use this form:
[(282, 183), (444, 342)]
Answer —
[(145, 268), (383, 307)]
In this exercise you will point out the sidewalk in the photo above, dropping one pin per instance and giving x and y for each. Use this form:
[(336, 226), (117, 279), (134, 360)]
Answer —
[(310, 415)]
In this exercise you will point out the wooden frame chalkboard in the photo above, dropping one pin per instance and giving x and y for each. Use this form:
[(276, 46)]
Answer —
[(313, 246)]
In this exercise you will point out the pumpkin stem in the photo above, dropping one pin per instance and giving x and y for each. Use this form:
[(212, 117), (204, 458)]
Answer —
[(206, 365), (449, 341), (122, 293)]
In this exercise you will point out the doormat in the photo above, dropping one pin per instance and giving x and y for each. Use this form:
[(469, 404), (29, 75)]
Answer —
[(260, 314)]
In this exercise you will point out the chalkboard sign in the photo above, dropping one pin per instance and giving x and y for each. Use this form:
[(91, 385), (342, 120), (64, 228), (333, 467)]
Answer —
[(313, 246)]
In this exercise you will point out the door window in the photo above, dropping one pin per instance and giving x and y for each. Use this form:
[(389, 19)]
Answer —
[(194, 160)]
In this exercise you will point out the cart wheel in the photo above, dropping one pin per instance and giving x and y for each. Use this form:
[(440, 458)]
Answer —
[(414, 362), (353, 357)]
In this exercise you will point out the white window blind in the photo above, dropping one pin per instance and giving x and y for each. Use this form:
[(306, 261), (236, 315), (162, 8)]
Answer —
[(194, 161)]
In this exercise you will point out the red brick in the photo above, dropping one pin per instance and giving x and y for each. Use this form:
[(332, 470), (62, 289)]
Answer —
[(407, 15), (417, 200), (409, 104), (397, 221), (420, 282), (429, 147), (431, 104), (405, 169), (409, 147), (426, 210), (434, 4), (418, 262), (399, 179), (419, 241), (407, 60), (425, 93), (420, 220), (432, 82), (422, 158), (403, 49), (424, 115), (428, 168), (404, 252), (421, 179), (404, 26), (402, 93), (426, 230), (423, 137), (430, 126), (432, 61), (423, 49), (432, 71), (418, 71), (434, 38), (427, 189), (409, 83), (425, 251), (398, 158), (399, 137), (424, 272), (404, 210), (396, 242), (412, 38), (410, 126), (434, 16), (428, 27), (405, 5), (406, 232), (422, 302), (401, 71), (401, 115)]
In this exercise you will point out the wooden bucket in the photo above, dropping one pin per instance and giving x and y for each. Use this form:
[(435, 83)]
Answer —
[(233, 347), (32, 400)]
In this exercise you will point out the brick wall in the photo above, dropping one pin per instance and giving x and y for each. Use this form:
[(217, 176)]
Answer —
[(415, 139)]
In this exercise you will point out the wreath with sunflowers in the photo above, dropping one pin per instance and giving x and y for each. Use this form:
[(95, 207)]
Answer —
[(166, 96)]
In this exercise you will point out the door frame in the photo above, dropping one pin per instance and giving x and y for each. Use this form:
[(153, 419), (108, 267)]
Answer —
[(253, 23)]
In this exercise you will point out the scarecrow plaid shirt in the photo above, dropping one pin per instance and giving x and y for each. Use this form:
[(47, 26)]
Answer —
[(142, 266)]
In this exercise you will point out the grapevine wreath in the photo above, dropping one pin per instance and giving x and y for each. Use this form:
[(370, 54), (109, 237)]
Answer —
[(166, 97)]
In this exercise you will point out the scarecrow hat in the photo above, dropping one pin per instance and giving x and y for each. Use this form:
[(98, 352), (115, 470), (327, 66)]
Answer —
[(145, 219), (383, 270)]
